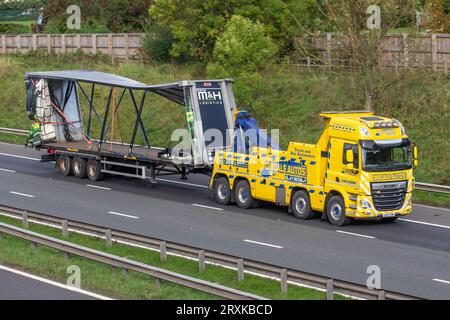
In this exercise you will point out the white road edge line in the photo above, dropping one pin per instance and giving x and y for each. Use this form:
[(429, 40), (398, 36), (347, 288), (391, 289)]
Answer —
[(98, 187), (123, 215), (207, 207), (54, 283), (425, 223), (7, 170), (431, 207), (22, 194), (356, 234), (263, 244), (442, 281), (20, 157)]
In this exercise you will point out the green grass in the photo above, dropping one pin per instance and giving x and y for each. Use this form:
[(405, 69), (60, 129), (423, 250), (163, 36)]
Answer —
[(102, 279), (431, 198)]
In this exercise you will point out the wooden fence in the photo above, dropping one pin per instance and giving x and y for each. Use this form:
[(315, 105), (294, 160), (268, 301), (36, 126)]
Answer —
[(117, 46), (399, 51)]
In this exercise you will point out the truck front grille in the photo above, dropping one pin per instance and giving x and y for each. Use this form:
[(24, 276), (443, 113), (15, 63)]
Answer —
[(389, 196)]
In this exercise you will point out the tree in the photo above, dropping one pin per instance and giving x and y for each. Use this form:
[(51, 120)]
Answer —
[(350, 20), (100, 15), (196, 24), (438, 16), (243, 47)]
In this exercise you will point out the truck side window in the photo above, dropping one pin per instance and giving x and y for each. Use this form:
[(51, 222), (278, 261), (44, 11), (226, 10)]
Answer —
[(354, 147)]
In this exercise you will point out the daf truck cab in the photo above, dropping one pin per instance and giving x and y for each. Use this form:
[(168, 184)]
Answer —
[(361, 168)]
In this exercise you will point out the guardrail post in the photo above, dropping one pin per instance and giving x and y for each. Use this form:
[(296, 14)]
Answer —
[(25, 219), (108, 238), (283, 280), (330, 289), (65, 229), (381, 295), (1, 235), (66, 256), (163, 251), (125, 271), (157, 283), (33, 245), (201, 261), (240, 269)]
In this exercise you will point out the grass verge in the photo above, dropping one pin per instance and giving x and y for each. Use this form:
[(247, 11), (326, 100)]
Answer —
[(103, 279), (431, 198)]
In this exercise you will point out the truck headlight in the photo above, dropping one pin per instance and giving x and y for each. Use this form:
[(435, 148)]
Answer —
[(365, 204)]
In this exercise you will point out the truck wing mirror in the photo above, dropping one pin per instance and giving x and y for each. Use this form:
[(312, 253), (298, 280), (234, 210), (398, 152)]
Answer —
[(415, 155)]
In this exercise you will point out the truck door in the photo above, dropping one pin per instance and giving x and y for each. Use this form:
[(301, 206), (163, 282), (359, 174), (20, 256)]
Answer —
[(337, 172)]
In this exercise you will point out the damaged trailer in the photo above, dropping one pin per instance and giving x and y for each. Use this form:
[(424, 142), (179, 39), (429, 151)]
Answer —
[(54, 104)]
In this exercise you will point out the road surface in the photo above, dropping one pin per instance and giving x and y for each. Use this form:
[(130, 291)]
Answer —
[(413, 254)]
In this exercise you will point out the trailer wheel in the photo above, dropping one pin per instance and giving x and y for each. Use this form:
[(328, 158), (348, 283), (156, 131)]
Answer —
[(222, 191), (301, 205), (64, 165), (93, 170), (79, 167), (243, 195), (336, 211)]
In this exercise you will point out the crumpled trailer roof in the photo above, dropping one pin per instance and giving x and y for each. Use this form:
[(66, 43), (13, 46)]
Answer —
[(171, 91)]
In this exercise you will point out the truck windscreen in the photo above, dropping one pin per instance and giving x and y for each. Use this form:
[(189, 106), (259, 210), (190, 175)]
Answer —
[(386, 159)]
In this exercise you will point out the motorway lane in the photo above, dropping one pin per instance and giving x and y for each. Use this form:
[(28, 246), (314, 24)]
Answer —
[(17, 285), (410, 255)]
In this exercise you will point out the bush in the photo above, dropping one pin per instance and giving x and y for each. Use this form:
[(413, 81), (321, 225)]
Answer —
[(157, 44), (243, 47)]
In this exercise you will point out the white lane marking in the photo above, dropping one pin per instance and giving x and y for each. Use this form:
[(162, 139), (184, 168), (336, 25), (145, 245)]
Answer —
[(20, 157), (22, 194), (355, 234), (207, 207), (442, 281), (263, 244), (425, 223), (54, 283), (123, 215), (184, 183), (7, 170), (431, 207), (97, 187)]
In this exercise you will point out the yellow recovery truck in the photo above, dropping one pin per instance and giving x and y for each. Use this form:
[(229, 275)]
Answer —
[(361, 168)]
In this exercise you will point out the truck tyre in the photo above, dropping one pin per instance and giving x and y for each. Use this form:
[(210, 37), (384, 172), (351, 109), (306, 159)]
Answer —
[(64, 165), (243, 195), (336, 211), (222, 191), (79, 167), (301, 205), (93, 170)]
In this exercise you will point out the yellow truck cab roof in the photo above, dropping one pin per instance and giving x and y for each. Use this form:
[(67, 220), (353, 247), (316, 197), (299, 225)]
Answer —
[(362, 125)]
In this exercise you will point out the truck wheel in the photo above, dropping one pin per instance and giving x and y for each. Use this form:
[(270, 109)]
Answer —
[(79, 167), (64, 165), (336, 211), (301, 205), (93, 170), (243, 195), (222, 192)]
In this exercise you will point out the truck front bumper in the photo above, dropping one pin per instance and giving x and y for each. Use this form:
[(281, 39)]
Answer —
[(366, 209)]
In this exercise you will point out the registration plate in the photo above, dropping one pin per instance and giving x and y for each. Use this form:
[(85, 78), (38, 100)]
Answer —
[(388, 215)]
